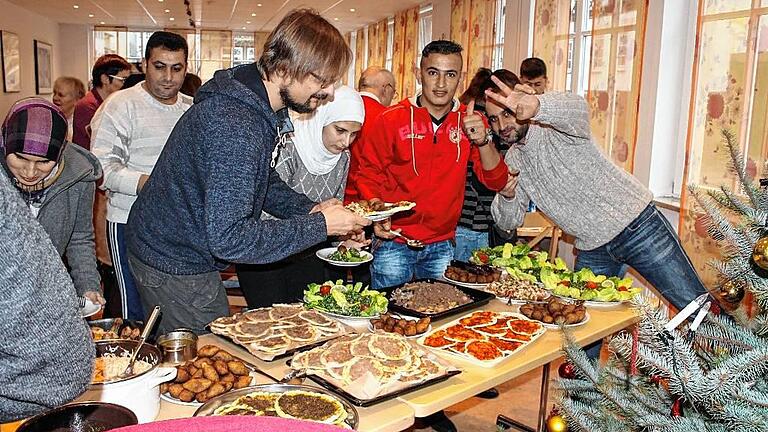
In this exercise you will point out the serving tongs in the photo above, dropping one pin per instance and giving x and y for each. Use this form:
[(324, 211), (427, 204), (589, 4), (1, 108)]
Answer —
[(295, 376), (147, 328)]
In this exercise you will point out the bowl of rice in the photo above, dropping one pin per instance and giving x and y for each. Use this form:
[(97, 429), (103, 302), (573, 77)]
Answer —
[(139, 392)]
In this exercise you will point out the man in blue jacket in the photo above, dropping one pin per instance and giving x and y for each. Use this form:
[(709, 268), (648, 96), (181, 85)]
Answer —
[(200, 209)]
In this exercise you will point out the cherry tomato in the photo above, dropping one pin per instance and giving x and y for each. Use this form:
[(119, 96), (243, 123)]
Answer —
[(565, 283), (482, 257), (591, 285), (325, 290), (623, 288)]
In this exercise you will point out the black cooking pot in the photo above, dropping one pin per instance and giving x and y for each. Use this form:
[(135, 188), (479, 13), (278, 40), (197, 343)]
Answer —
[(81, 417)]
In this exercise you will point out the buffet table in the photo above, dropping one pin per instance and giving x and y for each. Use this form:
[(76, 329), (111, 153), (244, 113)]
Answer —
[(398, 414)]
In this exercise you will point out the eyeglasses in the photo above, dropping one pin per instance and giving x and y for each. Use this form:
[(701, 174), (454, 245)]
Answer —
[(393, 88), (117, 77)]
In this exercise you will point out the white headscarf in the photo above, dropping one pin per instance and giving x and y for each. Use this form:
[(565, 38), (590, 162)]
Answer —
[(347, 105)]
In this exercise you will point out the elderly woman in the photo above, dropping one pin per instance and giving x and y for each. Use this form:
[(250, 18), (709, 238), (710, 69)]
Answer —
[(66, 92), (315, 162), (57, 182)]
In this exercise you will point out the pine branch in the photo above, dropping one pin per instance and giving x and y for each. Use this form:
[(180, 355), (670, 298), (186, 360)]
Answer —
[(756, 197)]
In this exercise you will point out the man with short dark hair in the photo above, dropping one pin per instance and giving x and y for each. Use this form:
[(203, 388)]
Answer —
[(533, 72), (377, 88), (201, 208), (108, 75), (418, 152), (129, 132), (610, 213)]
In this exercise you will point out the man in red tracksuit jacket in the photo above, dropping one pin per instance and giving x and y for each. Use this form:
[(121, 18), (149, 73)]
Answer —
[(418, 151)]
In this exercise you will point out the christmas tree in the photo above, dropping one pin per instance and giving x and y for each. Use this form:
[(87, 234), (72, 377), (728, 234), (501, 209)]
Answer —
[(708, 375)]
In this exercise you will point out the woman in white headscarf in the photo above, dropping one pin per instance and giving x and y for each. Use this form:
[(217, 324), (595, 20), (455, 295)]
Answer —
[(315, 163)]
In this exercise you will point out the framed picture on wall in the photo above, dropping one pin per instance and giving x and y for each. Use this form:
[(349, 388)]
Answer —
[(10, 60), (43, 67)]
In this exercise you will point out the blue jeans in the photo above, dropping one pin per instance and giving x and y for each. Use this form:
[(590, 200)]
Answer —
[(395, 263), (467, 241), (650, 246)]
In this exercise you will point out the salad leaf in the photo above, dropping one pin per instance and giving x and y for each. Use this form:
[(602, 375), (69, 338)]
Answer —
[(345, 299)]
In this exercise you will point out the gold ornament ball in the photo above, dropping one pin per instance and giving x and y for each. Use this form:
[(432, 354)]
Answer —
[(760, 253), (731, 292), (556, 423)]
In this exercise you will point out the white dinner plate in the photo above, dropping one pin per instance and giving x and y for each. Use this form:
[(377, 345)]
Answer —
[(479, 286), (557, 326), (416, 336), (89, 309), (324, 253), (384, 214), (598, 304), (173, 400)]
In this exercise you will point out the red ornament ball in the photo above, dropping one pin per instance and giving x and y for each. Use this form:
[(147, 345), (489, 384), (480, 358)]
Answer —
[(567, 370), (677, 408)]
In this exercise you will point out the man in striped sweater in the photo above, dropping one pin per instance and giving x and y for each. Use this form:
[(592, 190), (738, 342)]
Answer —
[(129, 133)]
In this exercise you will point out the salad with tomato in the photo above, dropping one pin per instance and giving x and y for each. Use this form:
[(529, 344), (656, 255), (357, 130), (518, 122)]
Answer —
[(585, 285), (345, 299), (519, 261)]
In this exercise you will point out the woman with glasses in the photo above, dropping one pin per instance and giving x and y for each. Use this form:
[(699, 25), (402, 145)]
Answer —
[(108, 76), (57, 182)]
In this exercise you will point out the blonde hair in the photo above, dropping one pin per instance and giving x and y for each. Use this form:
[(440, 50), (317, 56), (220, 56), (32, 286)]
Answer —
[(77, 86), (305, 43)]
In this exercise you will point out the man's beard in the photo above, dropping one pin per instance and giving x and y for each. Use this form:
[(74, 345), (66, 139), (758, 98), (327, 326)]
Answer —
[(516, 136), (301, 108)]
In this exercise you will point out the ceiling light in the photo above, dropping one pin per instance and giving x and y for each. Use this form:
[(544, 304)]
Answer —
[(76, 6), (167, 11), (247, 22), (160, 1), (102, 23), (335, 19), (258, 4), (90, 15), (352, 9), (172, 18), (243, 27), (253, 14)]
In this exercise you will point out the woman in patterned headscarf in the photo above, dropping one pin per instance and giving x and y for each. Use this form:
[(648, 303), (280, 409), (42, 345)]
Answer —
[(57, 182), (315, 163)]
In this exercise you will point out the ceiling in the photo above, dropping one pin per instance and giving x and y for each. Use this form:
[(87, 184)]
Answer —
[(239, 15)]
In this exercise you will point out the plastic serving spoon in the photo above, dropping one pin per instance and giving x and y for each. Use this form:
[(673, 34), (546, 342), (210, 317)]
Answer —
[(147, 328)]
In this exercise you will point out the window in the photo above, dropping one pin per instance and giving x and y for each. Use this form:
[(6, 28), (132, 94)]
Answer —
[(390, 42), (119, 40), (243, 51), (351, 72), (497, 60), (425, 30)]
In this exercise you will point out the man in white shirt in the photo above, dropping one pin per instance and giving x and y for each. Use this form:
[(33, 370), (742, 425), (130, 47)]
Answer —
[(129, 133)]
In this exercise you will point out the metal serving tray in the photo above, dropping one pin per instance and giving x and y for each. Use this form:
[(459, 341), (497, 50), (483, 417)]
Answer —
[(353, 418), (479, 298)]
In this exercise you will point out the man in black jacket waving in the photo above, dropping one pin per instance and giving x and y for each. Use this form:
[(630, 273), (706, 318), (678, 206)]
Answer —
[(200, 209)]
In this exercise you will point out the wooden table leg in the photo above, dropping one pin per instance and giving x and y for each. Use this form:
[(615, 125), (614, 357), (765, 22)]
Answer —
[(510, 423), (544, 394)]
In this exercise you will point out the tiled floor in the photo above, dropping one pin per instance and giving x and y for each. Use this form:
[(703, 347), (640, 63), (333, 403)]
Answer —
[(518, 399)]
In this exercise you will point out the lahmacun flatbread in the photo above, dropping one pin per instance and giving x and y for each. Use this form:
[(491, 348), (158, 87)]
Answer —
[(257, 315), (282, 311), (302, 333), (316, 318), (338, 356), (437, 340), (483, 350), (388, 347), (459, 333)]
